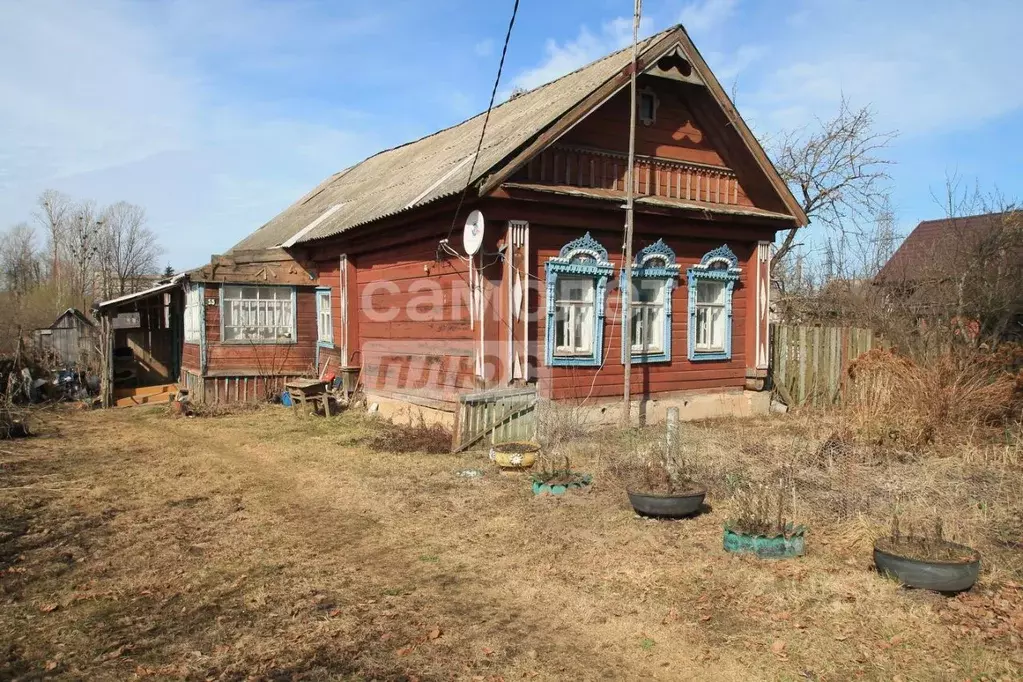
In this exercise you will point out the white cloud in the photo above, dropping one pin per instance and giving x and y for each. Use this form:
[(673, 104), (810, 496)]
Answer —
[(704, 16), (923, 72), (562, 58), (484, 48), (106, 104)]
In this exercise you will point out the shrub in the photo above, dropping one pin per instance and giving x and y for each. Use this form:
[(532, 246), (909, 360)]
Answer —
[(416, 436), (895, 401), (762, 510)]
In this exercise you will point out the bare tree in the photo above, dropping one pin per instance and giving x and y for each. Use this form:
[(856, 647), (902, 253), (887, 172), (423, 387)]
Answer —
[(836, 169), (82, 249), (130, 249), (53, 215), (21, 262), (961, 284)]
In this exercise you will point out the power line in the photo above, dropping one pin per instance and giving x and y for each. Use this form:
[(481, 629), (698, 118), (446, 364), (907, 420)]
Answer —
[(486, 118)]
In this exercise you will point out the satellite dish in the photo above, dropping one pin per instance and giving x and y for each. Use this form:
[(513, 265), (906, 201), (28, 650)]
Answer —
[(472, 235)]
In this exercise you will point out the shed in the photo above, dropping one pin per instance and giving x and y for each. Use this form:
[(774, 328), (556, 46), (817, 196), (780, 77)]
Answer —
[(72, 338)]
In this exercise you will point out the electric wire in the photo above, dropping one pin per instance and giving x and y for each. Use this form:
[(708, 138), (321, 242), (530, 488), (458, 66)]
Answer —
[(486, 119)]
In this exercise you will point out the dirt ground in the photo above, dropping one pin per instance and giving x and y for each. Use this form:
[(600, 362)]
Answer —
[(264, 545)]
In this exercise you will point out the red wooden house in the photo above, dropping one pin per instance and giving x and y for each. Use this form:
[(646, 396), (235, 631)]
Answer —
[(368, 269)]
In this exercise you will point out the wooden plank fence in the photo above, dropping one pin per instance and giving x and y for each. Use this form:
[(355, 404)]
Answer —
[(497, 416), (809, 363)]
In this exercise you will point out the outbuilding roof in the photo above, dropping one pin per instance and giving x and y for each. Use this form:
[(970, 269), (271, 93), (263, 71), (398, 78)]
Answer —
[(933, 246)]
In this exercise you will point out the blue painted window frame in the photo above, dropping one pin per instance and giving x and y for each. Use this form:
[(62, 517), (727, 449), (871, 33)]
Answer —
[(717, 265), (329, 343), (583, 257), (656, 261)]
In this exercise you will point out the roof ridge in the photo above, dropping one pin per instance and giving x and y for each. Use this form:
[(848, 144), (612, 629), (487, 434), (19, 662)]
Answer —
[(644, 43), (969, 217)]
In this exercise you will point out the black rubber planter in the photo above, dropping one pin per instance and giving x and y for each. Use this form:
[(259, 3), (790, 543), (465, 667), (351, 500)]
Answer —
[(939, 576), (667, 506)]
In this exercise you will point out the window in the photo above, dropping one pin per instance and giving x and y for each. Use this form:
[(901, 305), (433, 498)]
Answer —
[(647, 107), (574, 316), (576, 287), (711, 284), (258, 314), (324, 321), (710, 316), (648, 317), (194, 311), (653, 279)]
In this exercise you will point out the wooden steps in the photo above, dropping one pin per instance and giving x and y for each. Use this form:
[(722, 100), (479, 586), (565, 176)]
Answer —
[(145, 395)]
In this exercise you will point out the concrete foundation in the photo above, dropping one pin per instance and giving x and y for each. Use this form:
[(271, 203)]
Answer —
[(607, 412)]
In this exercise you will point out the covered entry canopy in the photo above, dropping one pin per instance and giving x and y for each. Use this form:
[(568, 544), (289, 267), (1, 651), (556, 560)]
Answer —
[(141, 339)]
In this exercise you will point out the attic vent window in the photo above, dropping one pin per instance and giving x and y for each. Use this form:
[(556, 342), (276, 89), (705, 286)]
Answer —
[(647, 107)]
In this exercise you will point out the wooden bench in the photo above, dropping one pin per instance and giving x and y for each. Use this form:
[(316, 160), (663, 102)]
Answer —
[(305, 391)]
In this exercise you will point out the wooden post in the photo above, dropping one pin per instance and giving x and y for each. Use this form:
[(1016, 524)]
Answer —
[(626, 292), (106, 380), (671, 435)]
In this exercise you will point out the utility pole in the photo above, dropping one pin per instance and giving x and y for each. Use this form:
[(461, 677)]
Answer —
[(626, 292)]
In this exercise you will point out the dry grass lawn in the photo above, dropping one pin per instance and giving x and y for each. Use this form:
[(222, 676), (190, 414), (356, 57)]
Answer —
[(261, 545)]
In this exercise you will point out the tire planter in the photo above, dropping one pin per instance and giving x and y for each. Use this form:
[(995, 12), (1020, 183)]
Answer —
[(777, 547), (664, 506), (559, 489), (936, 575), (514, 455)]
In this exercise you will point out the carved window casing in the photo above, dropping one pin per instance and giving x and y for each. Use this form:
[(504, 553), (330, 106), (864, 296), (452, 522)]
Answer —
[(711, 285), (654, 273), (576, 288)]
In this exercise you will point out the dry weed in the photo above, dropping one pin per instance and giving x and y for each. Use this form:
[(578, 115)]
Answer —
[(266, 546), (415, 436), (896, 401)]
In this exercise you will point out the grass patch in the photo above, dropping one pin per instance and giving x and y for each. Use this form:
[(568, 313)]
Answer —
[(277, 546)]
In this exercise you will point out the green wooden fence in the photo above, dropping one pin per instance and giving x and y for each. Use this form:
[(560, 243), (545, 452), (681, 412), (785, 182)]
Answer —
[(809, 363)]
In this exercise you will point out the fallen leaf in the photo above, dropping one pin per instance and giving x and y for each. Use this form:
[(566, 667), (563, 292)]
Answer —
[(404, 651), (435, 633), (51, 665), (841, 638), (487, 650), (49, 608), (704, 619), (671, 617), (896, 640), (334, 613), (384, 637), (779, 646)]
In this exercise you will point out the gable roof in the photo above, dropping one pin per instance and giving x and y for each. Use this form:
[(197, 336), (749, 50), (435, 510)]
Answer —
[(920, 255), (74, 312), (437, 166)]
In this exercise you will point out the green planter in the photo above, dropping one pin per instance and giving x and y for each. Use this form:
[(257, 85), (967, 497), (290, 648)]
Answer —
[(559, 489), (765, 547)]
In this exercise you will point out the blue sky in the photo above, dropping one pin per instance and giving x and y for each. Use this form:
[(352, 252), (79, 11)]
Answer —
[(216, 114)]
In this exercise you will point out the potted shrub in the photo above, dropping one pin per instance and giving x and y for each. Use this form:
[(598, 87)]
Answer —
[(662, 491), (927, 561), (759, 525), (514, 455), (557, 479)]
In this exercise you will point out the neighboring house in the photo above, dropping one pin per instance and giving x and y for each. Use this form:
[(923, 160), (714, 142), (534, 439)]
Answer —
[(368, 269), (964, 270), (72, 338)]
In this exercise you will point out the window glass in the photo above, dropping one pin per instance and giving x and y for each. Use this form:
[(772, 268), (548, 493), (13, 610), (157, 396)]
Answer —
[(258, 314), (710, 315), (324, 326), (648, 316), (574, 314)]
